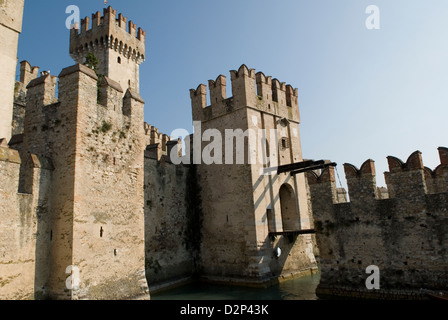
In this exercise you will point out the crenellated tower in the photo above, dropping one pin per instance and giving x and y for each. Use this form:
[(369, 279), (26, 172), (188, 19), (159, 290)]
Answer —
[(118, 44), (255, 212), (94, 135), (97, 209)]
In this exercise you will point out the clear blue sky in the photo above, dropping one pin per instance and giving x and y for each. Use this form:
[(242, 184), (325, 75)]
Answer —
[(363, 93)]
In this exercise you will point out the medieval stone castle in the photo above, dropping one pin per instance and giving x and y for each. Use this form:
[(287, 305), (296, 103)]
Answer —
[(93, 206)]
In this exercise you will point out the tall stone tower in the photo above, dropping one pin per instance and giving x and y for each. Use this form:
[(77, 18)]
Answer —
[(250, 211), (118, 45), (95, 230), (11, 13)]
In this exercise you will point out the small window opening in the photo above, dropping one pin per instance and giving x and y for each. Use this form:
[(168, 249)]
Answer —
[(284, 143), (274, 96), (115, 252), (119, 60), (101, 232)]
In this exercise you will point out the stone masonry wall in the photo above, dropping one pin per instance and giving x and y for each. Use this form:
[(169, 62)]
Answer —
[(404, 234), (97, 199), (27, 74), (11, 12), (169, 251), (238, 197), (24, 219)]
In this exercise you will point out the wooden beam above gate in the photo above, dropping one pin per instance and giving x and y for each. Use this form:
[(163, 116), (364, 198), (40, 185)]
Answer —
[(304, 166)]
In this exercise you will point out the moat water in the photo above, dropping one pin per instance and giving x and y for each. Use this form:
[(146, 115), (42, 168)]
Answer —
[(303, 288)]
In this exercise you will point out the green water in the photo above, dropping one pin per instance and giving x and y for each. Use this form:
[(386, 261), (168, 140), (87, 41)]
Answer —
[(303, 288)]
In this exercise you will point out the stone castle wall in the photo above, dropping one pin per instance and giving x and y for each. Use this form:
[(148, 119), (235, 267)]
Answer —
[(96, 146), (25, 189), (11, 13), (102, 194), (403, 232), (170, 251), (90, 185), (27, 74)]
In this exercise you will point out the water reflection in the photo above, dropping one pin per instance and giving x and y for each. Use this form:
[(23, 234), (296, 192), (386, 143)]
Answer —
[(298, 289)]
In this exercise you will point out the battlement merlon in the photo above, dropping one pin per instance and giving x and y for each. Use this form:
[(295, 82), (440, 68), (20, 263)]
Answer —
[(443, 155), (406, 180), (323, 193), (244, 87), (198, 101), (249, 89), (107, 32), (42, 91), (441, 172), (217, 89), (28, 72), (133, 105), (325, 181), (438, 179), (110, 94), (361, 183), (26, 167)]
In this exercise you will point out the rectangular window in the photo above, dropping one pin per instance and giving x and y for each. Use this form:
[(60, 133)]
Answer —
[(285, 143)]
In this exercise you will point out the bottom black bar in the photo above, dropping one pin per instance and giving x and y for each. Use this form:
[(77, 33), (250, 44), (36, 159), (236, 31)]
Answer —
[(319, 309)]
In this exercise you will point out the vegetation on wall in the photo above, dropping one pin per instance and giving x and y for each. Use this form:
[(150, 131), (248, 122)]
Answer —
[(105, 127), (92, 62)]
